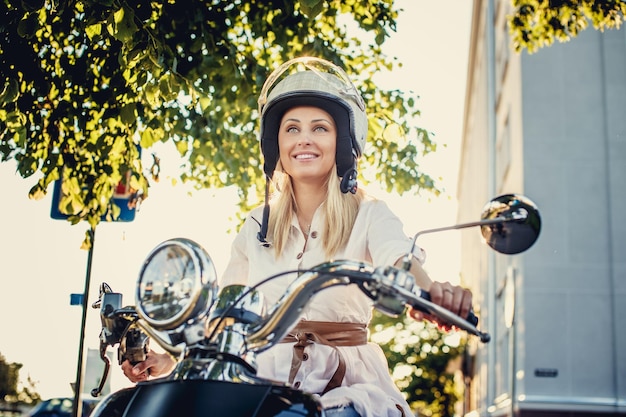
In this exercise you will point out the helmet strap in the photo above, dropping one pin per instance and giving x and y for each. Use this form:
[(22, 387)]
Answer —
[(262, 235)]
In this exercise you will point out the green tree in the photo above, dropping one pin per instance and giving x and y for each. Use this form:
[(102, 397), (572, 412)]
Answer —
[(535, 24), (420, 358), (85, 83), (10, 390), (9, 375)]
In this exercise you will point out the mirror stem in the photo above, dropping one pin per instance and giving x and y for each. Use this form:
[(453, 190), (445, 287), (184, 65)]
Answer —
[(516, 216)]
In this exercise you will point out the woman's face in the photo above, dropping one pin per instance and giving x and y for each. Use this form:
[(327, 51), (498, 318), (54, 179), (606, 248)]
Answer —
[(307, 139)]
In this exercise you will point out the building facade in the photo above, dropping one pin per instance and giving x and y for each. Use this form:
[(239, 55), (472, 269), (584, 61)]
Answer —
[(551, 126)]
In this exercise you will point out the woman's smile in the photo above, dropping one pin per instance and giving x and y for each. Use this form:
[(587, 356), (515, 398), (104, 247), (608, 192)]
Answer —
[(305, 156)]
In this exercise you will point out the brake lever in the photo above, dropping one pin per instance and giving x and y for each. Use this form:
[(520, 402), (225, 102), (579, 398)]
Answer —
[(105, 373)]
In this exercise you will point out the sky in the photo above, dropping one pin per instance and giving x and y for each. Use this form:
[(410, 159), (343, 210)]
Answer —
[(41, 262)]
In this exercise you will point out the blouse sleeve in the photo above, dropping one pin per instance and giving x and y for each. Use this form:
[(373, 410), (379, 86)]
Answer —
[(237, 269), (387, 241)]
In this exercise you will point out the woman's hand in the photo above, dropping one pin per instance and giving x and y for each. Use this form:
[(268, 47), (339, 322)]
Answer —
[(156, 364), (451, 297)]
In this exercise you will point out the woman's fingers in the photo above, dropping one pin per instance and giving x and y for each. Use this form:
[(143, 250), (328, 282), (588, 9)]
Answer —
[(135, 373), (451, 297)]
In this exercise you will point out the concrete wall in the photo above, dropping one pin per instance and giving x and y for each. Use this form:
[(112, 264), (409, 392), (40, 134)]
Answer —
[(552, 126), (574, 122)]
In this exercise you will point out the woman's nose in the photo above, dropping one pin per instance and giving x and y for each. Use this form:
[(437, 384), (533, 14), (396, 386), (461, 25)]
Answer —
[(304, 139)]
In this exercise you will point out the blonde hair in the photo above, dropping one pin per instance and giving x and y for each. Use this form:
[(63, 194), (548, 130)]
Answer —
[(340, 213)]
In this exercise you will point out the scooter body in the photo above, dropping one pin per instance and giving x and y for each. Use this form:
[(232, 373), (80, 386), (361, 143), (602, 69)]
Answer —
[(200, 398)]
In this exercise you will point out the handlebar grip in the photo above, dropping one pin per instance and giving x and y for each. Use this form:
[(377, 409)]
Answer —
[(471, 317)]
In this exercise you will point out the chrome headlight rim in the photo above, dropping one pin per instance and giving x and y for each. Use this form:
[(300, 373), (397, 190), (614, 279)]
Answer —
[(202, 294)]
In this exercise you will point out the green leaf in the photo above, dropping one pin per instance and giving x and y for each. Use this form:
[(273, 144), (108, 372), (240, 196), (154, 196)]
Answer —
[(10, 91), (28, 26), (124, 26), (93, 31), (128, 114), (15, 120), (312, 8), (37, 192)]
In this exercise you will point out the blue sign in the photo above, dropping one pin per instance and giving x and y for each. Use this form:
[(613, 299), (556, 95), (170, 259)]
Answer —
[(122, 197), (76, 299)]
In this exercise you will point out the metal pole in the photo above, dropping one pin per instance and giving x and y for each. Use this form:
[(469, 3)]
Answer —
[(491, 256), (78, 404)]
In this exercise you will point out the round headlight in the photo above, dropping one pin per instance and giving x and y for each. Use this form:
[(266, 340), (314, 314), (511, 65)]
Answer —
[(177, 282)]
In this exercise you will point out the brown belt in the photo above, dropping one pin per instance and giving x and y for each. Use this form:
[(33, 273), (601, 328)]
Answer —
[(326, 333)]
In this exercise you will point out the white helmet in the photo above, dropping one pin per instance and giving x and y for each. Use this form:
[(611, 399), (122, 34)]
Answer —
[(321, 84)]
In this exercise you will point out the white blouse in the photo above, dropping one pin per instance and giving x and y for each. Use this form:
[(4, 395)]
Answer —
[(377, 238)]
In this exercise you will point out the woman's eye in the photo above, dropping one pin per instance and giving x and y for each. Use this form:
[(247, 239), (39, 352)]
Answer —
[(320, 129), (292, 129)]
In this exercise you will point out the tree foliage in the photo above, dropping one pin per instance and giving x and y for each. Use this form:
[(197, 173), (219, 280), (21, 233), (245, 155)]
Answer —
[(420, 358), (86, 84), (11, 390), (535, 24)]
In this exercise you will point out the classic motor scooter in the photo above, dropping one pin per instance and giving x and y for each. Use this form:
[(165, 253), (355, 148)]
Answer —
[(217, 332)]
